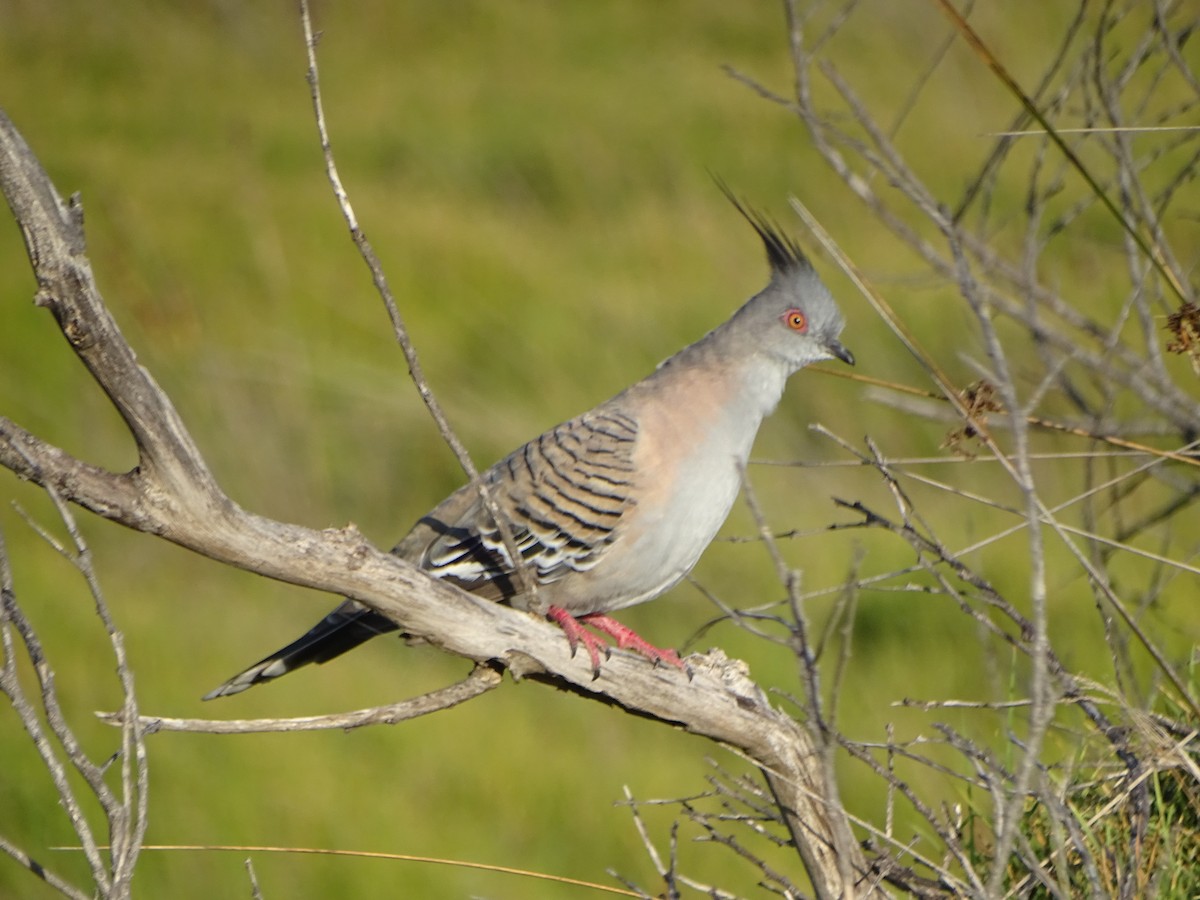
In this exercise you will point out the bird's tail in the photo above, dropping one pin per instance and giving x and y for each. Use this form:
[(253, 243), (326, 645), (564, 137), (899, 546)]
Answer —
[(343, 629)]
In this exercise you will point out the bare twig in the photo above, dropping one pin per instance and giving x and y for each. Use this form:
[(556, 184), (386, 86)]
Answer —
[(379, 277), (54, 740), (481, 680), (125, 810), (50, 877)]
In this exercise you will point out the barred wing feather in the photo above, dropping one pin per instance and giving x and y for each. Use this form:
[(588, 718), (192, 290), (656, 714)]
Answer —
[(563, 494)]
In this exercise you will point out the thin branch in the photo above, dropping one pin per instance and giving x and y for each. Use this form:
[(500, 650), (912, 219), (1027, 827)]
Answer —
[(379, 277), (481, 680), (36, 868), (48, 740), (840, 852), (127, 814), (1085, 172)]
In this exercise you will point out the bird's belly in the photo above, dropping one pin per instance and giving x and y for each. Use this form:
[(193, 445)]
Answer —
[(663, 544)]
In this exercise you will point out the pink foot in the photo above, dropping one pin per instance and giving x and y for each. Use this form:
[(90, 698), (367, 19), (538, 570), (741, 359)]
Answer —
[(576, 634), (626, 638)]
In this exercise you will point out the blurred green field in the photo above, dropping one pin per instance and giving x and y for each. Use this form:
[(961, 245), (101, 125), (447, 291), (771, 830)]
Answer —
[(536, 179)]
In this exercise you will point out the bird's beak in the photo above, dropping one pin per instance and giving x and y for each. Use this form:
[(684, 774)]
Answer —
[(835, 347)]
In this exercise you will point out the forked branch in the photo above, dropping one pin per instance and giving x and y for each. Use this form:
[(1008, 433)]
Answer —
[(172, 494)]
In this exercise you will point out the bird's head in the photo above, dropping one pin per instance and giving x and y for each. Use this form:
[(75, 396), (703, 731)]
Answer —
[(794, 318)]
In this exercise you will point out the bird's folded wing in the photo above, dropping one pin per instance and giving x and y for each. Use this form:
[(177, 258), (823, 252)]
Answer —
[(566, 494)]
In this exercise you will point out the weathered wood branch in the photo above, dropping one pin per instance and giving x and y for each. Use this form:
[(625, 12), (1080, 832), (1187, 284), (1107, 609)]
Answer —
[(172, 494)]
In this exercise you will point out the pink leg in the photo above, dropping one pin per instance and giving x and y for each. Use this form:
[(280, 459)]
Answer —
[(628, 639), (576, 633)]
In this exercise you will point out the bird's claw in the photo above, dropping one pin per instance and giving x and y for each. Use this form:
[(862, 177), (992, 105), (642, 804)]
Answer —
[(624, 636)]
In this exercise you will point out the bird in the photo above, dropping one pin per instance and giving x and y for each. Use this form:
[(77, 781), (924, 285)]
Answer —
[(615, 506)]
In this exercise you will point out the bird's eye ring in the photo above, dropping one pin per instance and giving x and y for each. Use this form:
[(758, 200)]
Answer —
[(796, 320)]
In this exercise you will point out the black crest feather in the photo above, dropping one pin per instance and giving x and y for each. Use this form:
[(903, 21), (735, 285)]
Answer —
[(783, 253)]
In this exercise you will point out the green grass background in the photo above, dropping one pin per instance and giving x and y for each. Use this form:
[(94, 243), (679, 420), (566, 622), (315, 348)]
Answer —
[(535, 178)]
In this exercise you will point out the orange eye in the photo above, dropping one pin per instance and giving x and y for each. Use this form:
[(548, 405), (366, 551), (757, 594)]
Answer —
[(796, 320)]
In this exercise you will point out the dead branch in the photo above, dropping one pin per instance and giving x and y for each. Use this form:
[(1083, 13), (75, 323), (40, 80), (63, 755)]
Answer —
[(46, 724), (481, 680), (172, 494)]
